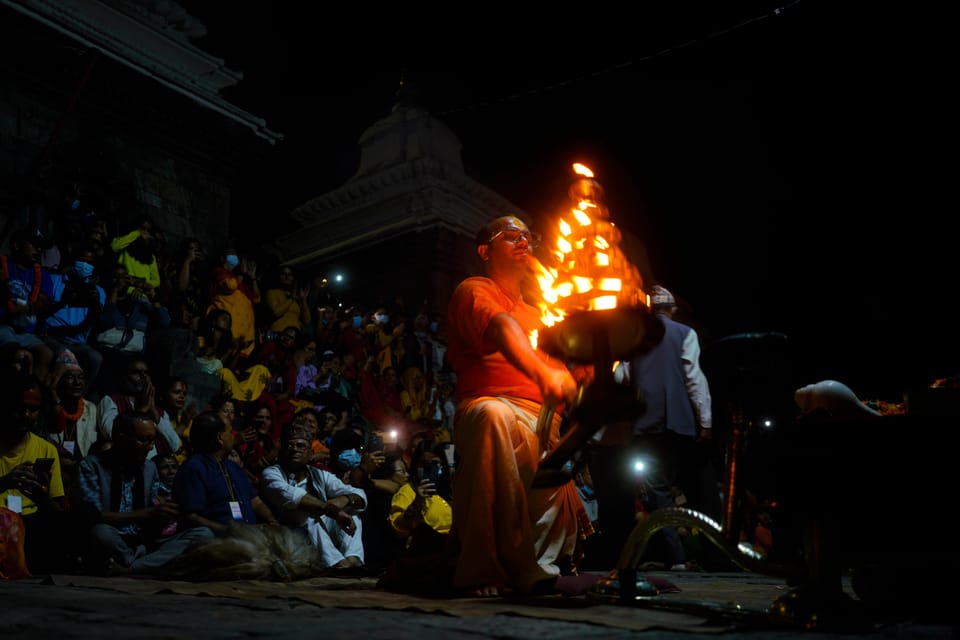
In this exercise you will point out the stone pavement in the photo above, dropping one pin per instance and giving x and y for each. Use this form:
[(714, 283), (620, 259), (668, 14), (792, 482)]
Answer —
[(704, 605)]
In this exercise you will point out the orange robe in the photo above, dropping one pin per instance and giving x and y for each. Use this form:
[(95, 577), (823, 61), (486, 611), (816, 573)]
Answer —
[(509, 533)]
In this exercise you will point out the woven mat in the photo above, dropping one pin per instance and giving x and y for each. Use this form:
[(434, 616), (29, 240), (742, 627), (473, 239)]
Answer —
[(694, 606)]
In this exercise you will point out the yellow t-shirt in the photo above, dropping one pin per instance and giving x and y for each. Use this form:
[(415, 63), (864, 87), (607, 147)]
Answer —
[(150, 273), (35, 447)]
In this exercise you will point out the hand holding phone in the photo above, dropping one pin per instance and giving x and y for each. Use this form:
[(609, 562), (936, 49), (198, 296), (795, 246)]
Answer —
[(431, 472), (42, 467)]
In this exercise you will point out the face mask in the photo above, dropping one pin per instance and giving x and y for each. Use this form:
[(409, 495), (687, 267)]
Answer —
[(232, 261), (83, 269), (434, 326), (587, 492), (357, 321), (349, 458), (382, 318)]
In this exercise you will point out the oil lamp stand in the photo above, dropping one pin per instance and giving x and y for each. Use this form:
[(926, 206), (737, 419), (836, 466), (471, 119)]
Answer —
[(599, 338)]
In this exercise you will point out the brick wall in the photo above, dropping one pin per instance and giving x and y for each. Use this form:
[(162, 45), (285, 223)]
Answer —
[(123, 175)]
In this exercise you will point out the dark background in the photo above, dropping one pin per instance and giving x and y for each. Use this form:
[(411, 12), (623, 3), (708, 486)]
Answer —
[(779, 160)]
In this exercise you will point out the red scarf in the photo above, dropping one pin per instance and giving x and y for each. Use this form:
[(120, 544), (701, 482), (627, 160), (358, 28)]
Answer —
[(34, 292)]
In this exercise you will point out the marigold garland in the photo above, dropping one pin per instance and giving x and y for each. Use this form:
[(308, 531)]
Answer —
[(63, 418)]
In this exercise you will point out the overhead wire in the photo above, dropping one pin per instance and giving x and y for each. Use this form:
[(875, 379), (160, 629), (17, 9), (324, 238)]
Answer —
[(556, 86)]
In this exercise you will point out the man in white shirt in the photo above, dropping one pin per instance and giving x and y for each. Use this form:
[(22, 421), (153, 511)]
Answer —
[(668, 438), (316, 501)]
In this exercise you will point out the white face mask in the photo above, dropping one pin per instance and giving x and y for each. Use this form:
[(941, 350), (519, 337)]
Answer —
[(382, 318)]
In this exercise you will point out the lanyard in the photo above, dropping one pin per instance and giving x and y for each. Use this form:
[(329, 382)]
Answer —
[(226, 476)]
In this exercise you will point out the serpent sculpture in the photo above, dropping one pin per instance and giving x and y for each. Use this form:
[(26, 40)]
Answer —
[(810, 605)]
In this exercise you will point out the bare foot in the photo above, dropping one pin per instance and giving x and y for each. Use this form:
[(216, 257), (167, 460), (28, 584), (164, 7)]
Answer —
[(486, 591), (115, 569), (349, 562)]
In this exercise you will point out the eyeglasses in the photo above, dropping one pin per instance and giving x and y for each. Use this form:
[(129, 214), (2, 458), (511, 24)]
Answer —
[(514, 235)]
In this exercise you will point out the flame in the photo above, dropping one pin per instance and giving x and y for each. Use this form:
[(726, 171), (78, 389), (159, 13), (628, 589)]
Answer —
[(587, 271), (582, 170)]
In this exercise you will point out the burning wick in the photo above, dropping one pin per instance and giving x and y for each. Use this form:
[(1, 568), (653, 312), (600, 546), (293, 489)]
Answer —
[(587, 270)]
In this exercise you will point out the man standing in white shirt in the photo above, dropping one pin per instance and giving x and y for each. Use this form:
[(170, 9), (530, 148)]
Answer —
[(667, 438)]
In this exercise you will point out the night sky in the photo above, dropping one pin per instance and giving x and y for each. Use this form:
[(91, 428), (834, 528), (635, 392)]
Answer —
[(776, 164)]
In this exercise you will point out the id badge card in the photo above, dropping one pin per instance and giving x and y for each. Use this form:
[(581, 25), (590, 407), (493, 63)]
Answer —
[(235, 510), (15, 503)]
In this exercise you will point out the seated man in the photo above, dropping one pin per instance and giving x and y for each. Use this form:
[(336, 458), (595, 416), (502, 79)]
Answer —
[(74, 312), (212, 490), (120, 488), (30, 479), (25, 293), (137, 393), (316, 501)]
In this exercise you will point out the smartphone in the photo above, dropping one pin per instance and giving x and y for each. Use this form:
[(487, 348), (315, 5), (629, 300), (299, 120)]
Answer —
[(375, 443), (42, 466), (431, 472)]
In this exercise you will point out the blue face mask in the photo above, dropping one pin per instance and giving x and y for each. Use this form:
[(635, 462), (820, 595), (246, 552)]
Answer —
[(83, 269), (587, 492), (232, 261), (349, 458), (357, 321), (434, 326)]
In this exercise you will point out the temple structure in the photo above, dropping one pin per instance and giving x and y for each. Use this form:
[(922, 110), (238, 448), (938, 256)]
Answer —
[(404, 222)]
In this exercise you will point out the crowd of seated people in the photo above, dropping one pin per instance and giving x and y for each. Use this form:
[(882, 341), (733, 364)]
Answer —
[(171, 396)]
